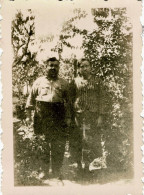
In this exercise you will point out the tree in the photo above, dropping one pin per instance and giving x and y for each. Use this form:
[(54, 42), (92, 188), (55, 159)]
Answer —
[(109, 48), (25, 64), (68, 32)]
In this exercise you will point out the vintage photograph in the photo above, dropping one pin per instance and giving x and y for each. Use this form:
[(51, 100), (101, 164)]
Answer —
[(72, 96), (71, 106)]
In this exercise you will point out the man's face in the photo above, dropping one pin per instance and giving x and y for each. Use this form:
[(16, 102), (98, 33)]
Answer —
[(85, 68), (52, 69)]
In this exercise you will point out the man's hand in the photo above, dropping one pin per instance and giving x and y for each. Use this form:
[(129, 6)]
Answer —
[(68, 122), (29, 117), (28, 121), (99, 121)]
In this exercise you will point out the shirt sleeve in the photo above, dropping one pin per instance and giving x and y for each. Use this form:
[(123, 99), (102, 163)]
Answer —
[(31, 101), (69, 99), (73, 97)]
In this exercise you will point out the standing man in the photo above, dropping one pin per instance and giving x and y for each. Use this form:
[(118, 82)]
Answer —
[(85, 137), (49, 98)]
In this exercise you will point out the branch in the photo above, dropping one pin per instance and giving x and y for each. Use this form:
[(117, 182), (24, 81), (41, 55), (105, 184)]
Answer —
[(24, 52)]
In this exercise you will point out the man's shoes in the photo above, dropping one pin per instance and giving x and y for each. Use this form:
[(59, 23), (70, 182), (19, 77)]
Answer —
[(57, 174), (44, 176), (74, 165)]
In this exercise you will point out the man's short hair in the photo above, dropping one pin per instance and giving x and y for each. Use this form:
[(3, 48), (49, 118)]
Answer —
[(53, 59), (82, 60)]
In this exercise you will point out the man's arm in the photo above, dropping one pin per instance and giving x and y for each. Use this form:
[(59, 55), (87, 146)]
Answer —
[(30, 105), (29, 116), (70, 99)]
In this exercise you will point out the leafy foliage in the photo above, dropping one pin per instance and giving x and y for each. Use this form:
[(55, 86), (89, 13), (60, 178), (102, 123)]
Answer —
[(29, 156), (110, 54), (25, 65)]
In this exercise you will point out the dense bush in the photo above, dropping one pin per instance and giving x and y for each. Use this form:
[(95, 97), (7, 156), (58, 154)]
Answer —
[(29, 155)]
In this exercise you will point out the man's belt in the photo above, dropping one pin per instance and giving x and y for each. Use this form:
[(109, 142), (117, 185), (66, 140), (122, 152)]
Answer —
[(54, 107), (49, 103)]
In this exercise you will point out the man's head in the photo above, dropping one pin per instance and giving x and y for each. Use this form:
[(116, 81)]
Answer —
[(84, 68), (52, 68)]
